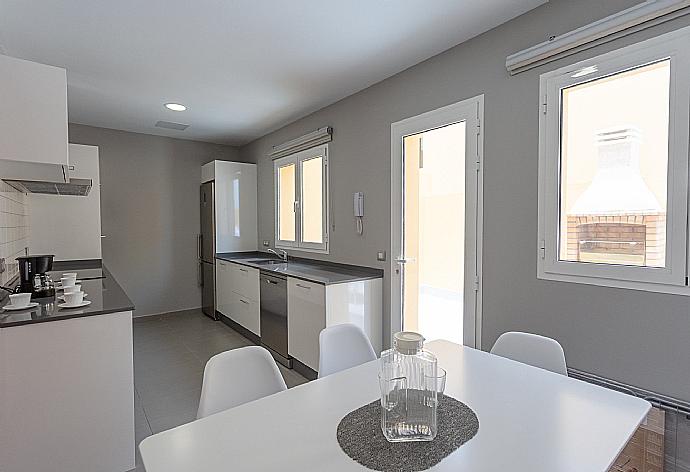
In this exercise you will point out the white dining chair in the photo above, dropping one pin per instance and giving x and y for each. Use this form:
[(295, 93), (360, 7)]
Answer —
[(343, 346), (238, 376), (532, 349)]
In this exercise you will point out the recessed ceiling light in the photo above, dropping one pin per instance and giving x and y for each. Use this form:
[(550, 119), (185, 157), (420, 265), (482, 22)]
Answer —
[(175, 107)]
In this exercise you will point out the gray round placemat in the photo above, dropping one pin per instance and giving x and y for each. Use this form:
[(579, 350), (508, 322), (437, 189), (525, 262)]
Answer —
[(360, 437)]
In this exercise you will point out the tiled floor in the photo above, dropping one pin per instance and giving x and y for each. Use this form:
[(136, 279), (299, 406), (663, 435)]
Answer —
[(170, 352)]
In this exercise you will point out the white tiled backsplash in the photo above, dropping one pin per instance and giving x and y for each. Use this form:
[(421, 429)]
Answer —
[(14, 229)]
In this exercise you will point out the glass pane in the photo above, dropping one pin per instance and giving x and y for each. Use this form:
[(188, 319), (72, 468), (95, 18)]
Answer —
[(286, 203), (312, 200), (434, 232), (614, 160)]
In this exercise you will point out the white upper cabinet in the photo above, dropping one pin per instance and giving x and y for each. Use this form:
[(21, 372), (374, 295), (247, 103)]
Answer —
[(236, 211), (33, 119)]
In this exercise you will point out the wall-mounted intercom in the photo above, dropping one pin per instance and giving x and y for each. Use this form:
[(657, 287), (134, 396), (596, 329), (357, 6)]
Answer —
[(359, 211), (359, 204)]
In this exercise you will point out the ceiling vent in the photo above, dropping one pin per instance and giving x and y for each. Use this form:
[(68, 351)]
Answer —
[(171, 125)]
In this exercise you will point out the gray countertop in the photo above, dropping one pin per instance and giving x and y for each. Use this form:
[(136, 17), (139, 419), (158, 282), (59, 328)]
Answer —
[(326, 273), (103, 291)]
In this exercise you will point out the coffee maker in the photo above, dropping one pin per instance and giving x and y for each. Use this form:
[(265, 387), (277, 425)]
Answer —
[(33, 278)]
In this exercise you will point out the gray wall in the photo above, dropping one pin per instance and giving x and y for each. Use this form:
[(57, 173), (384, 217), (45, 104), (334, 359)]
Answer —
[(636, 337), (150, 213)]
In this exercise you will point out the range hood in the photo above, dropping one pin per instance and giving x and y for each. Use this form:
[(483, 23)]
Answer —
[(74, 187)]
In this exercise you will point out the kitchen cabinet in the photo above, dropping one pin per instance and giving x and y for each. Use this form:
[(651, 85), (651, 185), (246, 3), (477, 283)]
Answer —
[(245, 312), (245, 281), (306, 319), (237, 294), (235, 204), (223, 287), (313, 307), (33, 122), (67, 389)]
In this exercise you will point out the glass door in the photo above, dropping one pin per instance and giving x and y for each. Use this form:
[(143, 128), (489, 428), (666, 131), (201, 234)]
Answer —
[(434, 232), (436, 179)]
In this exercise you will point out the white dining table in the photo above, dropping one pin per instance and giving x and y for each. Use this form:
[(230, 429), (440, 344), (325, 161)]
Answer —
[(530, 420)]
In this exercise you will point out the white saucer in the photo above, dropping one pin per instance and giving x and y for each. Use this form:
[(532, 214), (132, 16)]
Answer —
[(62, 297), (17, 308), (65, 305)]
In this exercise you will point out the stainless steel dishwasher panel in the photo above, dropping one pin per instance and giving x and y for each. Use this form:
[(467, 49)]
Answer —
[(274, 323)]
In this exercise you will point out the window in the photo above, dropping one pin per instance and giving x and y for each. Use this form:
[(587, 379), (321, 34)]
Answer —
[(613, 168), (301, 200)]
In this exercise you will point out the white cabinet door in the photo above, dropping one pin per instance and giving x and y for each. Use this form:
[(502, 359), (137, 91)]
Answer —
[(306, 319), (33, 122), (245, 312), (245, 281), (223, 287), (236, 214)]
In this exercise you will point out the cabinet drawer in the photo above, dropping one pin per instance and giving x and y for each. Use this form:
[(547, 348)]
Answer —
[(306, 319), (310, 292), (245, 281), (245, 312)]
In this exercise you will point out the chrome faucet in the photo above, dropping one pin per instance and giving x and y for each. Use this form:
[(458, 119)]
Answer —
[(283, 253)]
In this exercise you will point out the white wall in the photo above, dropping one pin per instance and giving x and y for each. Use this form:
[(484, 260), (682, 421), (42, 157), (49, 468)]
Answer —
[(150, 213), (65, 225)]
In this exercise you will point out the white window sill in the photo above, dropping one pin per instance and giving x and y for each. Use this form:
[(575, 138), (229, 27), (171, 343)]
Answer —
[(302, 249), (614, 283)]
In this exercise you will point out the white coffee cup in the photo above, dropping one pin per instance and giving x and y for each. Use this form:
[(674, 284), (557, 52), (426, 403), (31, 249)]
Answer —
[(73, 288), (20, 299), (68, 281), (74, 298)]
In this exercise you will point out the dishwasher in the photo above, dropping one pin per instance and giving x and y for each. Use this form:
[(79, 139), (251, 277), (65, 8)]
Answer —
[(274, 322)]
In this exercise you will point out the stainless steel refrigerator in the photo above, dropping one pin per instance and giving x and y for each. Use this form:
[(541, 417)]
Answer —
[(206, 249)]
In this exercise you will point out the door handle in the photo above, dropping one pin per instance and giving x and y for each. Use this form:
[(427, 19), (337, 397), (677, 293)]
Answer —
[(405, 260), (271, 282), (199, 275), (199, 243), (244, 301)]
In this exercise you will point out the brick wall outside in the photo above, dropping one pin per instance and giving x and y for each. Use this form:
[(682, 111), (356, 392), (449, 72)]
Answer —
[(635, 237)]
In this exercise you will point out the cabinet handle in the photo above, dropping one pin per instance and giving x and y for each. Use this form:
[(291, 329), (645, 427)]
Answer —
[(244, 270), (303, 286), (244, 301)]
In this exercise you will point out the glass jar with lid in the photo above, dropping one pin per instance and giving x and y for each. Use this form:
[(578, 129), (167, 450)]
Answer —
[(409, 390)]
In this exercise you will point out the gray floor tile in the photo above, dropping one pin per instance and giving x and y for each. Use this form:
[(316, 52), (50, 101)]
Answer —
[(167, 422), (172, 403), (292, 378), (205, 350), (162, 359), (170, 352), (153, 390)]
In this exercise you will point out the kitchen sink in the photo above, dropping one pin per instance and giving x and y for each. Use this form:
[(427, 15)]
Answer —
[(266, 261)]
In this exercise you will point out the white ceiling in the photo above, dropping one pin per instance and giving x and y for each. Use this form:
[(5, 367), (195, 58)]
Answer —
[(243, 67)]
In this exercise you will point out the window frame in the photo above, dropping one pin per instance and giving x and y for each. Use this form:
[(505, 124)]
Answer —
[(673, 277), (298, 159)]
